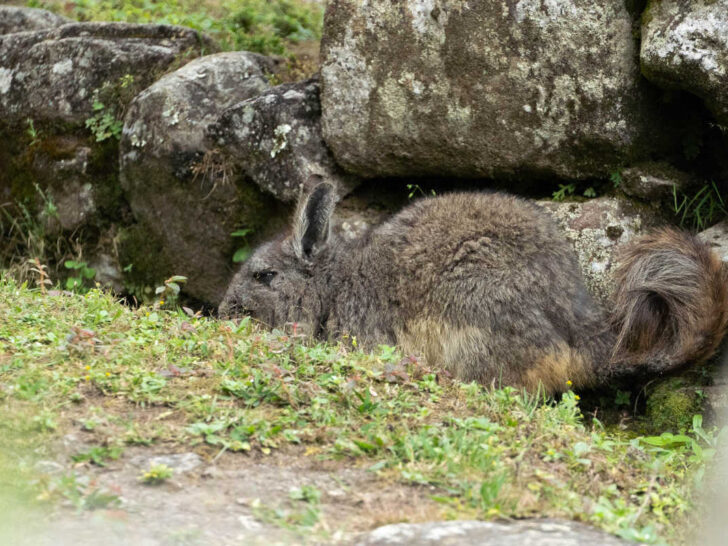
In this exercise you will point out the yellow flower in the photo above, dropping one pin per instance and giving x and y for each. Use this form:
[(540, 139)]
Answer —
[(577, 397), (87, 378), (161, 302), (87, 368), (569, 383), (108, 374)]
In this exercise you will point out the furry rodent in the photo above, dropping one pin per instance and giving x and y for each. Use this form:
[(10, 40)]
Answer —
[(486, 286)]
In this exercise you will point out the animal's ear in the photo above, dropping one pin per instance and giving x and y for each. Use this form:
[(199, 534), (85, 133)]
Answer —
[(312, 222)]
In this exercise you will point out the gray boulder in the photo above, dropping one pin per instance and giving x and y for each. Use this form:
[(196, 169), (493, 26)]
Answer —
[(476, 533), (685, 46), (598, 229), (51, 75), (63, 92), (654, 182), (483, 89), (182, 191), (275, 140), (18, 19)]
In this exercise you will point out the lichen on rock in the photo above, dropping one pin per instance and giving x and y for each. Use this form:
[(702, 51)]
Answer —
[(179, 186), (275, 140), (685, 46), (484, 89), (598, 229)]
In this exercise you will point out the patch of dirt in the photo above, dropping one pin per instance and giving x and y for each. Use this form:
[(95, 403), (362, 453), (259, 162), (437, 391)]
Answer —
[(230, 499)]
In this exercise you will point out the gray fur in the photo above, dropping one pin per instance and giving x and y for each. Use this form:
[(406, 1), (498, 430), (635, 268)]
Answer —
[(482, 284)]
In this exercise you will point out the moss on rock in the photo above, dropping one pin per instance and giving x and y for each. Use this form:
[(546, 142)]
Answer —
[(672, 403)]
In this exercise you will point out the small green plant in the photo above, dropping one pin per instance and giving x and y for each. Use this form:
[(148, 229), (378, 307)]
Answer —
[(33, 134), (563, 192), (80, 274), (104, 124), (568, 190), (243, 252), (622, 398), (701, 209), (701, 444), (157, 473), (616, 178), (98, 455), (294, 519), (45, 421), (168, 293), (109, 105), (415, 189), (306, 493)]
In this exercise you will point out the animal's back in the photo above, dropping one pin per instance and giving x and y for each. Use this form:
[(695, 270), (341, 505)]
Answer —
[(488, 286)]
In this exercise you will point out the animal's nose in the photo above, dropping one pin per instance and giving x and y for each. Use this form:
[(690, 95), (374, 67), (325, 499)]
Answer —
[(223, 310), (232, 307), (227, 308)]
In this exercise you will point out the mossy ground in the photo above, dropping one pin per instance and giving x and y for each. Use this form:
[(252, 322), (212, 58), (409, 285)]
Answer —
[(152, 377)]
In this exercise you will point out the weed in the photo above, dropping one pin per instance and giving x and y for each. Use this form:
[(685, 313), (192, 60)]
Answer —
[(104, 123), (300, 520), (616, 178), (109, 106), (43, 281), (415, 189), (33, 134), (168, 293), (564, 191), (213, 168), (569, 190), (81, 273), (98, 455), (699, 210), (158, 473), (27, 250), (306, 493)]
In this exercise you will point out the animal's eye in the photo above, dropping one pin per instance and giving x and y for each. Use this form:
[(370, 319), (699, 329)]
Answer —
[(264, 277)]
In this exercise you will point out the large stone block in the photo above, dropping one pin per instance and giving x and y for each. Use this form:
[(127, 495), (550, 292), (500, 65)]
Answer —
[(484, 89)]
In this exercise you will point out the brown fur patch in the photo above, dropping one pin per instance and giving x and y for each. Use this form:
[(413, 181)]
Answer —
[(457, 348), (460, 350), (553, 369), (438, 342)]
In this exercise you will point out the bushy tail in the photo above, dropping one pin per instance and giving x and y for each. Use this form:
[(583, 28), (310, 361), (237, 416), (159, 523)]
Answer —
[(671, 303)]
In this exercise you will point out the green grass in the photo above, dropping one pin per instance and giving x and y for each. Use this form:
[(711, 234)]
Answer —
[(264, 26), (700, 209), (163, 376)]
